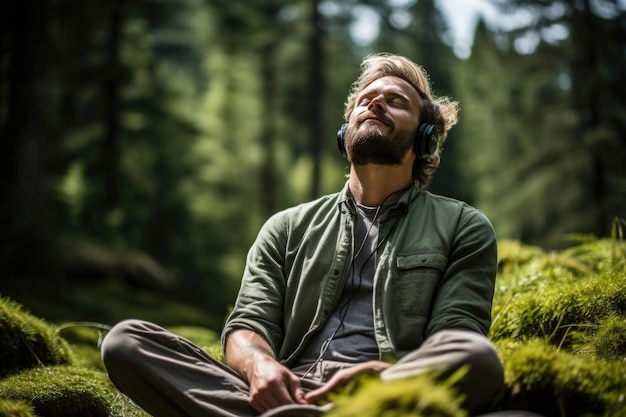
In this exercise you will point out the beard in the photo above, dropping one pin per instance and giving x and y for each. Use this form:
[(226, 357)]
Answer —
[(365, 144)]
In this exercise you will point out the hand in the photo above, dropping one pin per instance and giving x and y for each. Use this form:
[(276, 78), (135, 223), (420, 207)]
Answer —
[(272, 385), (343, 376)]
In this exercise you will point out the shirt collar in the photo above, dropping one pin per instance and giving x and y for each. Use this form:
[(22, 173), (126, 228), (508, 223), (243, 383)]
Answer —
[(409, 195)]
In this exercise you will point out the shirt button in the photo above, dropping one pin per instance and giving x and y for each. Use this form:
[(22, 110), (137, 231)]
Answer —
[(424, 259), (336, 272)]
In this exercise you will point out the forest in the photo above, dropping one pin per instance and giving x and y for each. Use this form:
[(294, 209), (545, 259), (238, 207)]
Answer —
[(146, 141)]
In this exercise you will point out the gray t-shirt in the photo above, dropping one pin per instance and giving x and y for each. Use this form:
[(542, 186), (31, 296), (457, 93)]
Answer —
[(348, 335)]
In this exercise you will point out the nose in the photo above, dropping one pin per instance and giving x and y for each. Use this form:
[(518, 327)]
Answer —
[(377, 103)]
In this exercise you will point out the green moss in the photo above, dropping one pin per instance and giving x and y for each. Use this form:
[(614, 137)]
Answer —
[(9, 408), (609, 342), (558, 295), (68, 391), (201, 336), (83, 333), (525, 268), (552, 382), (554, 310), (27, 341), (61, 390), (85, 339), (215, 350), (88, 356), (560, 327), (207, 339), (413, 397)]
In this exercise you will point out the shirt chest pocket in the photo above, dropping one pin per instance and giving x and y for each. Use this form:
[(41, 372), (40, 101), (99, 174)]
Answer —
[(418, 277)]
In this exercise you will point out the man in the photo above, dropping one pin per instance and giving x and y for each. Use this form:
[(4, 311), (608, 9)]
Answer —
[(382, 277)]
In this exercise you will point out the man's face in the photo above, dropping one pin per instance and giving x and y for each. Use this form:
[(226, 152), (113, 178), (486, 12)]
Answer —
[(384, 122)]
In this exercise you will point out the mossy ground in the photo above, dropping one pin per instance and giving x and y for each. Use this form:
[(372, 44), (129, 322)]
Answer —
[(559, 326), (56, 370)]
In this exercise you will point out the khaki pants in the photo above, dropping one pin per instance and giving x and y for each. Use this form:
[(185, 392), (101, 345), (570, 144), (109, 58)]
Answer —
[(167, 375)]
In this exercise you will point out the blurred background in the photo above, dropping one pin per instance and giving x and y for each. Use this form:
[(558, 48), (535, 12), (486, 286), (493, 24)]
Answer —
[(144, 142)]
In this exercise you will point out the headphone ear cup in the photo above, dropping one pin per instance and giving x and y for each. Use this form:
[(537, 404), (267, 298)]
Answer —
[(425, 140), (341, 145)]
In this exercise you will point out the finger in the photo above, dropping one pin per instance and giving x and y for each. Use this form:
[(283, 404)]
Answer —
[(270, 401), (295, 390), (268, 397), (338, 380), (261, 403), (280, 394), (297, 395), (314, 396)]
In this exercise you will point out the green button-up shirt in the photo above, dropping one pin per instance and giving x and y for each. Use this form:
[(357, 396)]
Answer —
[(436, 270)]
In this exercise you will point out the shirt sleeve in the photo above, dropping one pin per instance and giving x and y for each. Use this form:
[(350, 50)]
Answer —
[(259, 303)]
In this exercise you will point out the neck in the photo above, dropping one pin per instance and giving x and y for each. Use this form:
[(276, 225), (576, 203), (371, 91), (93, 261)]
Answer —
[(373, 185)]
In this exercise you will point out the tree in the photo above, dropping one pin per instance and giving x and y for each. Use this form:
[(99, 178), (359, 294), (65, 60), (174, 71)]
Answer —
[(23, 128), (425, 40), (486, 131), (315, 81), (580, 141)]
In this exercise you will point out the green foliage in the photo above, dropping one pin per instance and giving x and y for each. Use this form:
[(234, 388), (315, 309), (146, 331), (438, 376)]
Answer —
[(206, 339), (9, 408), (108, 301), (540, 129), (553, 382), (83, 332), (67, 391), (558, 294), (57, 387), (560, 326), (61, 390), (85, 339), (201, 336), (28, 342), (609, 341), (552, 311), (414, 397)]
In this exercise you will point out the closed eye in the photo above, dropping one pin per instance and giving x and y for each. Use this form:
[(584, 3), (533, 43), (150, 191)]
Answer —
[(397, 102)]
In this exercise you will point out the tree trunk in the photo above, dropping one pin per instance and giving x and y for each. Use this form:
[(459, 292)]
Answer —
[(268, 130), (22, 206), (316, 84), (587, 88), (111, 98)]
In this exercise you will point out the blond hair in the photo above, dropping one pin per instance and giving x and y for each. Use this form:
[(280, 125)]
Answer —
[(440, 111)]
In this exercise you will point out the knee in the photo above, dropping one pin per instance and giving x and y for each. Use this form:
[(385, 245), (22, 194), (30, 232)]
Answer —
[(119, 346), (483, 358), (474, 352), (484, 381)]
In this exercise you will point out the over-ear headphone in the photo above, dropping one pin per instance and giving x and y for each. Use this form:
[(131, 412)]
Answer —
[(425, 143), (341, 144)]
